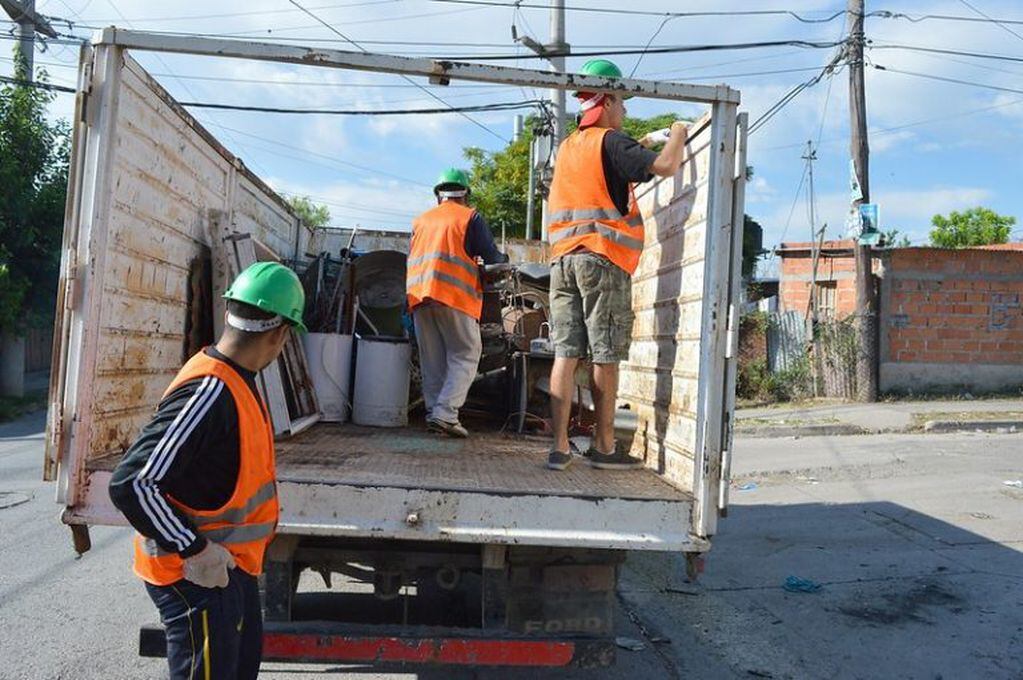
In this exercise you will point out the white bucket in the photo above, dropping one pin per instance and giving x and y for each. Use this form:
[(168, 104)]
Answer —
[(329, 357), (381, 382)]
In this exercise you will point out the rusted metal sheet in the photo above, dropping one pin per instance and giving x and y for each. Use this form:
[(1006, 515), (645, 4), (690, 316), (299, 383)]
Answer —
[(660, 379), (150, 189)]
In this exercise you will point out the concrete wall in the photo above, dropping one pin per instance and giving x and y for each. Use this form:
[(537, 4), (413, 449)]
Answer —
[(836, 265), (951, 319)]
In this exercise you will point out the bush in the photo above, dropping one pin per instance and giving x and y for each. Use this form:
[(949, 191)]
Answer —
[(756, 383)]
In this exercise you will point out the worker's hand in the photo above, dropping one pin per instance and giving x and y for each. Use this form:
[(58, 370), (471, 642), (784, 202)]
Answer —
[(679, 129), (656, 137), (208, 568)]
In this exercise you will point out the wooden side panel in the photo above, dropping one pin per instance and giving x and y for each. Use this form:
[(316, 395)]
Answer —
[(660, 380), (167, 175)]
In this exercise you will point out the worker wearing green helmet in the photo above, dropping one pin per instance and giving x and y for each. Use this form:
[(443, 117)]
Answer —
[(596, 234), (445, 296), (199, 485)]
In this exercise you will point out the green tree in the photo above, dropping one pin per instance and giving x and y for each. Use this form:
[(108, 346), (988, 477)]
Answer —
[(752, 246), (893, 238), (34, 156), (500, 179), (973, 227), (314, 215)]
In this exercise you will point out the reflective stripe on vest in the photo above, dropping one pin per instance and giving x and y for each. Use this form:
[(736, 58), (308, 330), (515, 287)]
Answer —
[(596, 214), (439, 269), (446, 278), (583, 215), (453, 259), (245, 524), (596, 228), (227, 536), (237, 515)]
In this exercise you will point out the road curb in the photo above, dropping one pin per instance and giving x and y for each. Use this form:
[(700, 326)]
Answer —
[(951, 426), (781, 431)]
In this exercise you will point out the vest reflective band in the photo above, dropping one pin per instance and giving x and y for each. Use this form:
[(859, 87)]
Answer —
[(439, 268), (582, 214), (247, 522)]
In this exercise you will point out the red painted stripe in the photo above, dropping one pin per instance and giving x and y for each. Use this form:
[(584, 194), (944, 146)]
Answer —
[(285, 646)]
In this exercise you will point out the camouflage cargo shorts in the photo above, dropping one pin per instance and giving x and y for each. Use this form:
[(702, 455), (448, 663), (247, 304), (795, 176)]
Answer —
[(591, 308)]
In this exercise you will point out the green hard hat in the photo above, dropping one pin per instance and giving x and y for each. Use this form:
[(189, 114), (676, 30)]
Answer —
[(452, 176), (272, 287), (602, 68)]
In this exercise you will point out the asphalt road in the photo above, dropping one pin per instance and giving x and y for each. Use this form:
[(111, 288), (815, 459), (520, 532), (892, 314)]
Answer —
[(914, 539)]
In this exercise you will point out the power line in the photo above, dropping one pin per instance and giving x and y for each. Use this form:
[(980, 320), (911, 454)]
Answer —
[(479, 108), (653, 13), (404, 77), (1000, 24), (183, 83), (884, 14), (229, 15), (772, 111), (314, 154), (674, 49), (37, 85), (897, 128), (947, 80), (938, 50)]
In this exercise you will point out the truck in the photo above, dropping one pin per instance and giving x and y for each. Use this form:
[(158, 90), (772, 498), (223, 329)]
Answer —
[(451, 552)]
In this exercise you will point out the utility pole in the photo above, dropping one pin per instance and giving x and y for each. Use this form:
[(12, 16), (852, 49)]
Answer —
[(866, 305), (23, 13), (555, 52), (560, 47)]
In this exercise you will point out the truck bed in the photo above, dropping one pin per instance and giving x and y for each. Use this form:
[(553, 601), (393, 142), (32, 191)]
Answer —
[(413, 458), (410, 484)]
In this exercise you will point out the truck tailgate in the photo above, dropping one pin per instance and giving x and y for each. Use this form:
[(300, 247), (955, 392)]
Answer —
[(345, 480)]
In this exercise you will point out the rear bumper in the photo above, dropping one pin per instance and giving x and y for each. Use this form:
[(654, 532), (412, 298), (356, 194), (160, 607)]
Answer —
[(332, 643)]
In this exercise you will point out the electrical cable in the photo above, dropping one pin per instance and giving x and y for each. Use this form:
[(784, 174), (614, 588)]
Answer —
[(673, 49), (938, 50), (773, 110), (478, 108), (947, 80), (404, 77), (637, 12), (1000, 24)]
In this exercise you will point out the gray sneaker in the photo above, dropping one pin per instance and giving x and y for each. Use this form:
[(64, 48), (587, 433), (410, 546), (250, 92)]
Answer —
[(558, 460), (454, 429), (617, 460)]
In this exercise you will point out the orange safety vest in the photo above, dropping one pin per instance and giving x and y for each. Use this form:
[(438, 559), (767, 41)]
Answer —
[(246, 523), (439, 268), (581, 212)]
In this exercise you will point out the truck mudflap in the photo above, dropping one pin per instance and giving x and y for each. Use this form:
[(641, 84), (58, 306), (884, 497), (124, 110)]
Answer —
[(332, 643)]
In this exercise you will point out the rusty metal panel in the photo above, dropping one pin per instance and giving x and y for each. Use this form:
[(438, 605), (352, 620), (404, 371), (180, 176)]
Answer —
[(264, 218), (660, 380), (165, 176)]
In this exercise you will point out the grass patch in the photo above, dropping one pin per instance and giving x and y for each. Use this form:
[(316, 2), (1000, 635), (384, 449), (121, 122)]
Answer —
[(919, 419), (786, 422), (15, 407)]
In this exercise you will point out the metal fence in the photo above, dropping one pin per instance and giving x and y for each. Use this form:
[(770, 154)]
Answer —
[(788, 337)]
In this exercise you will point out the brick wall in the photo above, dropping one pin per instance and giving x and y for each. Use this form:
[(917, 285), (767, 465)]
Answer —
[(836, 266), (951, 318)]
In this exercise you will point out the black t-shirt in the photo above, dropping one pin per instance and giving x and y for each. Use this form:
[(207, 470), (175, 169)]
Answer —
[(625, 161)]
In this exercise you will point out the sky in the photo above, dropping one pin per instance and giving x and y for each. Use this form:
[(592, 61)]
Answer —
[(936, 146)]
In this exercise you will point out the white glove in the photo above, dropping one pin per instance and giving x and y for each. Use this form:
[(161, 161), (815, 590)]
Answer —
[(208, 568), (658, 136)]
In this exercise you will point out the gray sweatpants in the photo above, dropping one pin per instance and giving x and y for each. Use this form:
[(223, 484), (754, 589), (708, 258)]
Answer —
[(449, 356)]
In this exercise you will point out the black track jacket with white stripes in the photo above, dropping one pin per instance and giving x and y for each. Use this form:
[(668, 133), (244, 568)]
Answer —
[(189, 450)]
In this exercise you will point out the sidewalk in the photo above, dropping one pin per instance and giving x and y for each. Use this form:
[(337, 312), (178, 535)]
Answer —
[(828, 419)]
